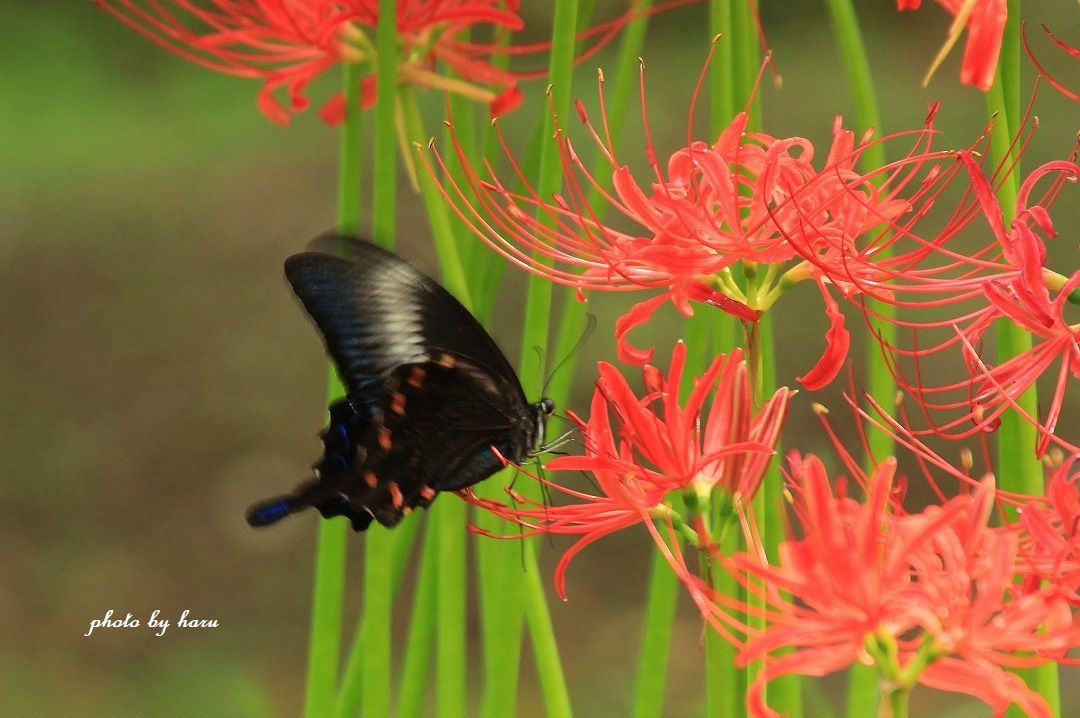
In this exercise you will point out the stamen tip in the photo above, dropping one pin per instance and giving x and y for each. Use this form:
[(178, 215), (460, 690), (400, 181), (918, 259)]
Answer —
[(967, 460), (819, 409)]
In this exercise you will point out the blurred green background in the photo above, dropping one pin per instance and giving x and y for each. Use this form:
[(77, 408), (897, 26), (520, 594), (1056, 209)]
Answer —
[(156, 376)]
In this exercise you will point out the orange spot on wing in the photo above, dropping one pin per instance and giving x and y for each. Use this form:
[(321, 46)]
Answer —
[(395, 494)]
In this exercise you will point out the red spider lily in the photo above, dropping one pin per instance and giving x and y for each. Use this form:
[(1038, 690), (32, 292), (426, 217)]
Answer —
[(747, 197), (985, 22), (1010, 281), (658, 446), (1051, 538), (287, 43), (928, 598), (1073, 52)]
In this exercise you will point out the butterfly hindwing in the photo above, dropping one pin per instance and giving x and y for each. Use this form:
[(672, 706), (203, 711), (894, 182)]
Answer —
[(439, 416), (334, 472)]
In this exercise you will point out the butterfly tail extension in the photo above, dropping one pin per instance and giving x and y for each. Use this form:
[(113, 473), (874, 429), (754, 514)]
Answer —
[(270, 511)]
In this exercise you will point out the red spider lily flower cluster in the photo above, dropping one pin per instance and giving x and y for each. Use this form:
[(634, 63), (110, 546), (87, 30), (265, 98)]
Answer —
[(1051, 535), (657, 446), (926, 598), (748, 197), (1008, 278), (287, 43), (985, 23)]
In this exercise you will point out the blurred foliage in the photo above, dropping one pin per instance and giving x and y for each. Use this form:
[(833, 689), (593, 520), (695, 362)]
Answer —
[(157, 376)]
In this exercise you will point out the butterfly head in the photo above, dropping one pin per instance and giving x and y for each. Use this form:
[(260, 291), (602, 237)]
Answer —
[(543, 409)]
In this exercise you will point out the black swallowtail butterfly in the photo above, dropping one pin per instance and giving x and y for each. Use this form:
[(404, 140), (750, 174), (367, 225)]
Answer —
[(431, 403)]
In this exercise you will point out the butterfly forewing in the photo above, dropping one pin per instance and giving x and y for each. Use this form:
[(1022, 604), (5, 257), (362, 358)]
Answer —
[(377, 312)]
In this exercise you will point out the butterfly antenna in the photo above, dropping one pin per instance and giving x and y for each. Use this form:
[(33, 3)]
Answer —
[(590, 327), (539, 352)]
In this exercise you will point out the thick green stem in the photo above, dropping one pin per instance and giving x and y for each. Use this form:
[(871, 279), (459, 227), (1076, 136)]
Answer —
[(378, 598), (726, 696), (538, 301), (652, 668), (1018, 467), (542, 635), (351, 693), (324, 649), (762, 513), (415, 675), (453, 271), (746, 61), (786, 691), (722, 73), (722, 679), (880, 382), (328, 594), (349, 155), (500, 608), (896, 704), (451, 655), (784, 694), (384, 187), (377, 621), (447, 516), (571, 323), (535, 333), (862, 693), (862, 682)]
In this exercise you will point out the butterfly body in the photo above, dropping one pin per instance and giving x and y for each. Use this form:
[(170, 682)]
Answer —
[(431, 403)]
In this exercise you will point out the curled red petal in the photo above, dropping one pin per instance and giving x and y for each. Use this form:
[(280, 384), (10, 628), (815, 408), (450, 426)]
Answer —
[(269, 106), (838, 342), (333, 111), (506, 101), (985, 30), (638, 314), (367, 92), (700, 292)]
